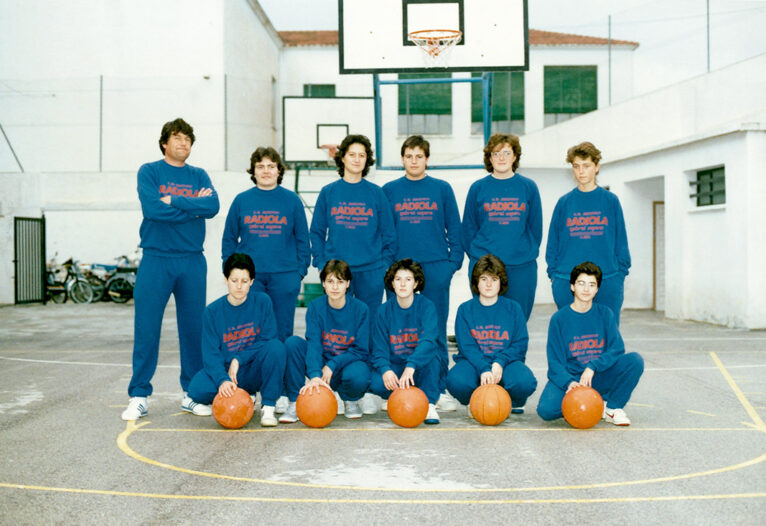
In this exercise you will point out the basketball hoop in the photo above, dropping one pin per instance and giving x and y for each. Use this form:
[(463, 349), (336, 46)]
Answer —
[(436, 43)]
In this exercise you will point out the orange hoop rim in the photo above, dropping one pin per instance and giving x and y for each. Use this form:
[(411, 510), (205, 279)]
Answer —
[(435, 41)]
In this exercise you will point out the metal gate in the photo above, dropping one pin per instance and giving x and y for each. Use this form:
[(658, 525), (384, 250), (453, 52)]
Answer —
[(29, 259)]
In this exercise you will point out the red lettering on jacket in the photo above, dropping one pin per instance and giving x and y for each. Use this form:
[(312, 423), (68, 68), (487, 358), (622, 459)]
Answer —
[(265, 219), (489, 335), (174, 190), (592, 343), (338, 339), (351, 211), (407, 337), (585, 221), (415, 205), (240, 334), (505, 206)]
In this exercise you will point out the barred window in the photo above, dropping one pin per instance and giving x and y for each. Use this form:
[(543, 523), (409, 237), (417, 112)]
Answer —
[(425, 108), (569, 91), (507, 103), (319, 90), (709, 188)]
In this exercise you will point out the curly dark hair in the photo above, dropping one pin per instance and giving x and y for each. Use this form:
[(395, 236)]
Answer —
[(489, 264), (405, 264), (343, 149), (270, 153), (171, 128), (500, 139)]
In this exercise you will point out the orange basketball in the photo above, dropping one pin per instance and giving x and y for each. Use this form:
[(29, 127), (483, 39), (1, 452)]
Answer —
[(408, 407), (582, 407), (234, 411), (490, 404), (317, 409)]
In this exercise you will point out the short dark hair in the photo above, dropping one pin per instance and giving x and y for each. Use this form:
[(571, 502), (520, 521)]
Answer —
[(338, 267), (584, 150), (417, 141), (171, 128), (499, 139), (271, 153), (586, 267), (492, 265), (240, 261), (346, 144), (405, 264)]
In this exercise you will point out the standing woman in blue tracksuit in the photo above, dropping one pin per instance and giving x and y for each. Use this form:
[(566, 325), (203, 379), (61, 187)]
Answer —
[(352, 221), (427, 223), (588, 225), (503, 216), (405, 338), (336, 350), (268, 223)]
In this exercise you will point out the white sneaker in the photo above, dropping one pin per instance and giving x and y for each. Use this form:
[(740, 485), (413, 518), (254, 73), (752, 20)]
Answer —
[(341, 405), (432, 417), (195, 408), (369, 403), (447, 402), (282, 403), (352, 409), (616, 417), (384, 405), (290, 416), (267, 416), (137, 407)]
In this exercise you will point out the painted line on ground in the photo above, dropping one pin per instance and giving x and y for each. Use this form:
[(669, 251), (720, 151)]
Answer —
[(692, 411), (131, 427), (602, 500), (752, 413)]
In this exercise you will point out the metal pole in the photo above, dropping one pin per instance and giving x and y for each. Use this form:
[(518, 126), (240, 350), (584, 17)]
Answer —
[(609, 47), (486, 92), (378, 124), (707, 2), (225, 123), (100, 123), (11, 148)]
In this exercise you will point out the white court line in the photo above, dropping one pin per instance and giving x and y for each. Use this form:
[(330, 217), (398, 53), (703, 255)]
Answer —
[(99, 364), (698, 339)]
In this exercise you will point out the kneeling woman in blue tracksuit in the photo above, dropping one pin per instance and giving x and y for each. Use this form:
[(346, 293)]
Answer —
[(492, 339), (239, 343), (405, 336), (336, 349)]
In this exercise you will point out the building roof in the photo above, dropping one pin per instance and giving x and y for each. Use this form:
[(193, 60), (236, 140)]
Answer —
[(536, 38)]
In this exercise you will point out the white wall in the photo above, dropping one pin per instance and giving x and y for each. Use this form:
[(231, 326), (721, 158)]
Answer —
[(159, 61)]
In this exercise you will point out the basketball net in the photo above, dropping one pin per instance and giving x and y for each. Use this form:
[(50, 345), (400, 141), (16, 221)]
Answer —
[(437, 45)]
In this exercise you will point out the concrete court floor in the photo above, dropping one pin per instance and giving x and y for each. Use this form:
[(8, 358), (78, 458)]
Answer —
[(695, 454)]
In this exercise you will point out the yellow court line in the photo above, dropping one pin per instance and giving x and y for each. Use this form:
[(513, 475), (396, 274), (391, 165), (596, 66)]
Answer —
[(725, 496), (740, 395), (692, 411), (131, 426)]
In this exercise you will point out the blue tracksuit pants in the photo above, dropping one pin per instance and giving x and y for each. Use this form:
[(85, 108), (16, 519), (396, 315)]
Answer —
[(158, 277), (615, 385), (522, 284), (438, 279), (264, 373), (283, 289), (351, 381), (426, 378), (517, 379), (610, 293), (367, 286)]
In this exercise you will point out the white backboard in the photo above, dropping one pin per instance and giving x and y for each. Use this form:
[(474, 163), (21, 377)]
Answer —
[(310, 122), (373, 34)]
